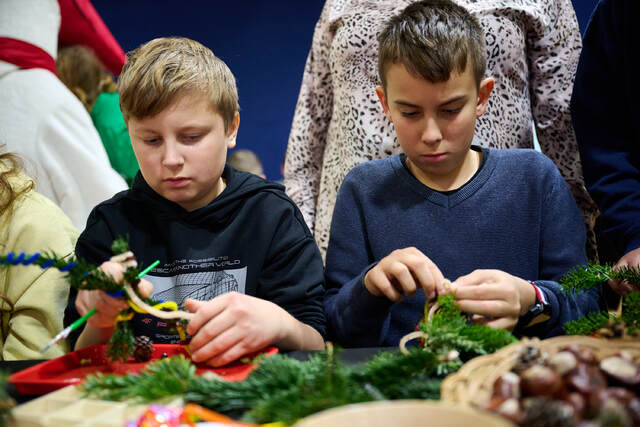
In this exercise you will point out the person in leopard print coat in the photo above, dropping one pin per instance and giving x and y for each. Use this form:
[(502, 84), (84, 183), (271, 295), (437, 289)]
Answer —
[(533, 49)]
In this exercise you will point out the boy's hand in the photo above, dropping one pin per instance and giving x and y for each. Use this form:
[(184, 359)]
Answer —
[(498, 296), (630, 259), (404, 271), (108, 307), (233, 325)]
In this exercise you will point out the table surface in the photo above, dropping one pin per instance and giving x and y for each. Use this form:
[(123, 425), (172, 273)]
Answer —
[(349, 356)]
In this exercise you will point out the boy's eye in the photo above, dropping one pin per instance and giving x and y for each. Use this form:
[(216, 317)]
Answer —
[(150, 140), (409, 113), (192, 138), (452, 110)]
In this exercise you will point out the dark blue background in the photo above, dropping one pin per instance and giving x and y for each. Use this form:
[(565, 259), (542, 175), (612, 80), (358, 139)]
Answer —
[(265, 43)]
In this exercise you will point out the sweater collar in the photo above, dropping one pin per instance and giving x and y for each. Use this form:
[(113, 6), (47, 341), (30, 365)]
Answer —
[(441, 199)]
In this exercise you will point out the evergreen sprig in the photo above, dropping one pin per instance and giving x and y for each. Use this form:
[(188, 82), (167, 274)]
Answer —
[(281, 388), (631, 310), (160, 379), (582, 278), (122, 343), (6, 402), (80, 274), (448, 330), (588, 324)]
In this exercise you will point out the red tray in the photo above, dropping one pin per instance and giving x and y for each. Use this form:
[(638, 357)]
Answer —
[(73, 367)]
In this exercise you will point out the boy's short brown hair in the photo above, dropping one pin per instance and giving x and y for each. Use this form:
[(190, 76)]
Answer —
[(432, 39), (162, 69)]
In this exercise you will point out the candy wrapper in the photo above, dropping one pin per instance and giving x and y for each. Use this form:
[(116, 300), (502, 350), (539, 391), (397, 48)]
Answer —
[(159, 416)]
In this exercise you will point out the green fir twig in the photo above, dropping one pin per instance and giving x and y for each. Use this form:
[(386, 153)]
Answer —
[(582, 278), (6, 402), (588, 324), (160, 379), (448, 331)]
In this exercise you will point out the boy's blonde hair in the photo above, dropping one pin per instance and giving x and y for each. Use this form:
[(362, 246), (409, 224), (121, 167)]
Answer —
[(432, 39), (161, 70)]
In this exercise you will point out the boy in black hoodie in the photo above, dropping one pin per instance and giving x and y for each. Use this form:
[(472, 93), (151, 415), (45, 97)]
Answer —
[(233, 248)]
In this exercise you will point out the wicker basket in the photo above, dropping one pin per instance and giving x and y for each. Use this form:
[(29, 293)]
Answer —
[(473, 383)]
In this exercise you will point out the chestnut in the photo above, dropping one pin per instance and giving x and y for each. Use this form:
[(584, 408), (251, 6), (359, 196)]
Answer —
[(621, 371), (540, 380), (507, 385), (582, 354), (634, 410), (510, 409), (585, 379), (578, 403), (563, 362)]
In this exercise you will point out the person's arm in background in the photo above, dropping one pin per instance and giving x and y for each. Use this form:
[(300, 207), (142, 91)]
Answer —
[(553, 46), (305, 150), (604, 111), (38, 296), (76, 163)]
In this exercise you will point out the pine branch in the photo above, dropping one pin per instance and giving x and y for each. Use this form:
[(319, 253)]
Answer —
[(163, 378), (6, 402), (582, 278), (588, 324), (631, 310), (122, 342), (448, 331)]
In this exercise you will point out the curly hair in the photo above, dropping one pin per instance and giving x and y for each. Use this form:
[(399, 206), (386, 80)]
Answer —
[(10, 165)]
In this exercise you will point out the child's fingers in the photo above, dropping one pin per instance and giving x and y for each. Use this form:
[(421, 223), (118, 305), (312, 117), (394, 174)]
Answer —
[(192, 305), (379, 284), (230, 355), (474, 278), (211, 330), (428, 276), (401, 275), (205, 311), (113, 269), (507, 323), (213, 348), (492, 308)]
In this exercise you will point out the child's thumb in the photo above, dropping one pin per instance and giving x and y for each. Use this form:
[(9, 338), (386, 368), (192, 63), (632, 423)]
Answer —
[(192, 304)]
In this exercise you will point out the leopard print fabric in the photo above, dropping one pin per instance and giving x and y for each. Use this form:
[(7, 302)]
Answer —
[(533, 48)]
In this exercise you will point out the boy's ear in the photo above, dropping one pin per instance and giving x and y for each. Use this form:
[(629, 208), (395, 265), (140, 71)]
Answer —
[(484, 91), (383, 101), (232, 133)]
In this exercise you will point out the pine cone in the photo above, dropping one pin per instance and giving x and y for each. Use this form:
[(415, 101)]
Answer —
[(144, 349)]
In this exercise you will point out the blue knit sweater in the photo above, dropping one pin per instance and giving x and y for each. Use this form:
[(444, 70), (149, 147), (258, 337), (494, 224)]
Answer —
[(515, 215)]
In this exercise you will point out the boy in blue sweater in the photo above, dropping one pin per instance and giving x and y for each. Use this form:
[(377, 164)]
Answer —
[(500, 223)]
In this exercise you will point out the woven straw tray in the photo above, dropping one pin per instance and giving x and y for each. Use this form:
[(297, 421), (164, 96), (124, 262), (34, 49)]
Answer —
[(473, 383)]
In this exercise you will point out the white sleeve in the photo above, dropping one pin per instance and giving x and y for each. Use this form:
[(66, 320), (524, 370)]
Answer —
[(75, 162)]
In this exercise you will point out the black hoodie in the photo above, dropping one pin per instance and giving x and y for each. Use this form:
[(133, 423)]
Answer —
[(251, 239)]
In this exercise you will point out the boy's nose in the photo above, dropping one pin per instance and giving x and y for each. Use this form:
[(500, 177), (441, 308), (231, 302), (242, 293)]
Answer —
[(431, 132), (172, 155)]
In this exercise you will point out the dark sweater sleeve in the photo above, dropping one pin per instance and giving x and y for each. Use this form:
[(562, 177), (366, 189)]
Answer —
[(355, 317), (604, 116), (94, 247), (562, 247), (293, 275)]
